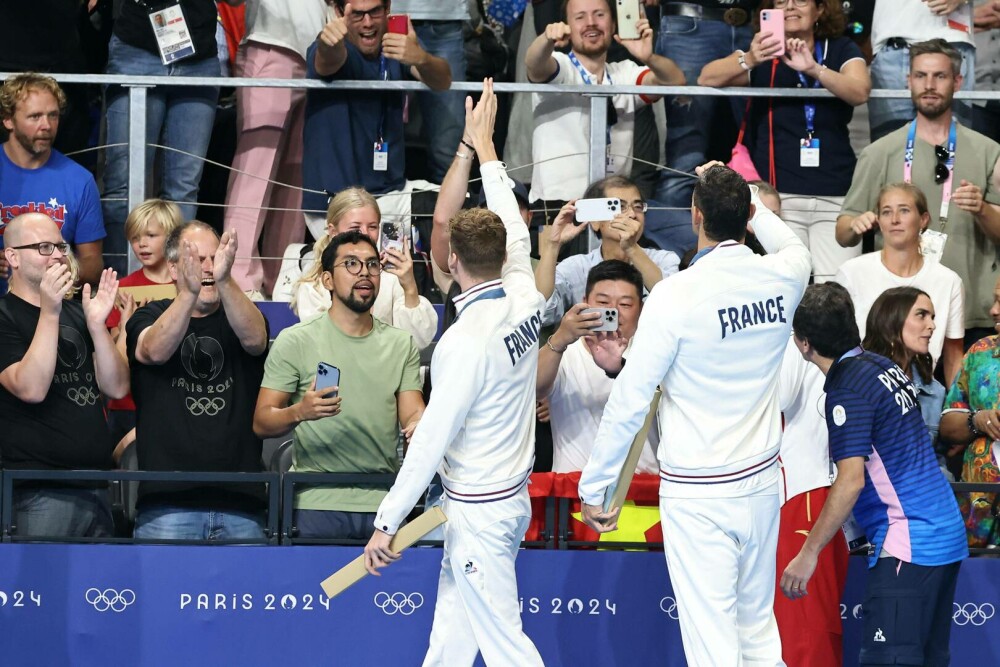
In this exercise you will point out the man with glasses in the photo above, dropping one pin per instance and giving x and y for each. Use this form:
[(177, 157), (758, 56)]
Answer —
[(355, 137), (352, 426), (35, 178), (196, 362), (955, 167), (564, 284), (56, 361)]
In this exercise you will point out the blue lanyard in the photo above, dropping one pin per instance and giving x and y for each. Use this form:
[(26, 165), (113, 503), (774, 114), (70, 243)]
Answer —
[(383, 75), (588, 78), (810, 107), (950, 164)]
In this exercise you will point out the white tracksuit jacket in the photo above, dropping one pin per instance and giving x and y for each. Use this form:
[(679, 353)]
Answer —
[(478, 429), (713, 337)]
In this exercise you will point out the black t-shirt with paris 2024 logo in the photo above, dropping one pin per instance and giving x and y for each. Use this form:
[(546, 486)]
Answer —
[(195, 413), (68, 429)]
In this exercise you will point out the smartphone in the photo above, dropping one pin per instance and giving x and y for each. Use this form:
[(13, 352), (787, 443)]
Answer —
[(609, 318), (773, 21), (597, 210), (628, 15), (394, 235), (399, 24), (327, 375)]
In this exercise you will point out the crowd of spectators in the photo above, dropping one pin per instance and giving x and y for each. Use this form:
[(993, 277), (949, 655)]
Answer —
[(317, 175)]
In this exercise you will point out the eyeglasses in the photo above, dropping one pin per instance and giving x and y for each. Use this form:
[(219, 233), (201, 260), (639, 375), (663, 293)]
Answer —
[(353, 265), (638, 206), (941, 172), (781, 4), (45, 248), (358, 16)]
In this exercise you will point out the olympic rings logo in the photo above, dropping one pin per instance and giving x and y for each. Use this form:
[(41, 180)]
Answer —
[(669, 607), (83, 396), (204, 406), (400, 603), (109, 598), (972, 613)]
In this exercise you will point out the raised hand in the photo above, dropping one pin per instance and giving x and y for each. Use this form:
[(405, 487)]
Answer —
[(225, 255), (126, 305), (96, 308), (335, 31), (480, 119), (557, 34), (189, 271), (400, 264), (799, 56), (404, 48), (574, 325), (563, 229), (607, 348), (56, 284), (629, 230), (864, 223), (641, 48), (763, 47)]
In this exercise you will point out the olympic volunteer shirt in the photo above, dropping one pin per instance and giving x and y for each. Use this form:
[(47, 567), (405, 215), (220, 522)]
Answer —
[(480, 433), (713, 336), (907, 507)]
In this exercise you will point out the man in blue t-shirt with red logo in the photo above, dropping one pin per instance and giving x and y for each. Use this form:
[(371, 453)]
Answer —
[(35, 178), (887, 473)]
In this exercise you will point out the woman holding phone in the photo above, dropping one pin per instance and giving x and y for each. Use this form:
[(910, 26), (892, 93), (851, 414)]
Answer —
[(802, 145), (398, 303)]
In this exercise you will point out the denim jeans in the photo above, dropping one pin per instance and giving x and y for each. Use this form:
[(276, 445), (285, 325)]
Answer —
[(162, 522), (176, 116), (442, 114), (691, 43), (62, 513), (889, 70)]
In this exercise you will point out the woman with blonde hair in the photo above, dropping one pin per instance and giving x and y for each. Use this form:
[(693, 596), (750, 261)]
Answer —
[(398, 302)]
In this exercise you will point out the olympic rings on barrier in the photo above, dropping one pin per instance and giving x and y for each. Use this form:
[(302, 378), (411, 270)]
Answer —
[(398, 603), (970, 612), (109, 598)]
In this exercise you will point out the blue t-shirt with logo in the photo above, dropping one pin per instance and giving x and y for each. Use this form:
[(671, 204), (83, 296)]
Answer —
[(342, 127), (907, 506), (61, 189)]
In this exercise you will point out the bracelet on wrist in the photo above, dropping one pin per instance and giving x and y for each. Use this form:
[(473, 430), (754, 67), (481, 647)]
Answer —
[(972, 424), (741, 56), (463, 156), (468, 145), (549, 343)]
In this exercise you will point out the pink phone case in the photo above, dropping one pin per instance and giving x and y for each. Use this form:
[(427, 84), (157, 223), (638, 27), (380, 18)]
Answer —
[(773, 21)]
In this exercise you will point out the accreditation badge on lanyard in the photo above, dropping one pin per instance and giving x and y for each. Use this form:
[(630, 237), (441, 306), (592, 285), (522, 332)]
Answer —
[(170, 29), (809, 146), (932, 242), (610, 163), (380, 152)]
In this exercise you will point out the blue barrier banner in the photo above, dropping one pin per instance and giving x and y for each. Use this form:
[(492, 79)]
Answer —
[(163, 605)]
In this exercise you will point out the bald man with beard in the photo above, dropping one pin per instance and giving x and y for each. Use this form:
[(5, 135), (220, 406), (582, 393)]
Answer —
[(56, 361)]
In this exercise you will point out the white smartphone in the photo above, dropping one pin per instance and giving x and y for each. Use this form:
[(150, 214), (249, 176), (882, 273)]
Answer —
[(773, 21), (597, 210), (609, 318), (628, 15), (327, 376)]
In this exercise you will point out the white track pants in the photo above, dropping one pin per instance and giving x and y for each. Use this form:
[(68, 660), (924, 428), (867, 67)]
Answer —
[(477, 606), (720, 555)]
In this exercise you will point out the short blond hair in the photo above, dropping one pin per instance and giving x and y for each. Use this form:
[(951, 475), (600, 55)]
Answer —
[(17, 87), (167, 214)]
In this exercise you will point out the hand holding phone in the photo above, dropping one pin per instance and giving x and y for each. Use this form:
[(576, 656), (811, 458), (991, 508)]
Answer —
[(327, 377), (628, 15), (609, 318), (399, 24)]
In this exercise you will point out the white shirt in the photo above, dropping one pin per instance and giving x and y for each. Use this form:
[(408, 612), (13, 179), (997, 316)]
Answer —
[(866, 277), (274, 22), (713, 337), (479, 433), (914, 22), (570, 286), (575, 407), (561, 127), (420, 322), (432, 10), (805, 442)]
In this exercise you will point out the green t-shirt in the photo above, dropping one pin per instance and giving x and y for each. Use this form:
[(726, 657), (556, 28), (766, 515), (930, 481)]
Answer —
[(373, 369)]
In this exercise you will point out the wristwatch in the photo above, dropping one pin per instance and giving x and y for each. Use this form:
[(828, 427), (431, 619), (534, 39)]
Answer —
[(972, 424)]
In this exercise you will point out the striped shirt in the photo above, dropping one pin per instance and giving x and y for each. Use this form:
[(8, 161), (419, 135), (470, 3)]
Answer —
[(906, 506)]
